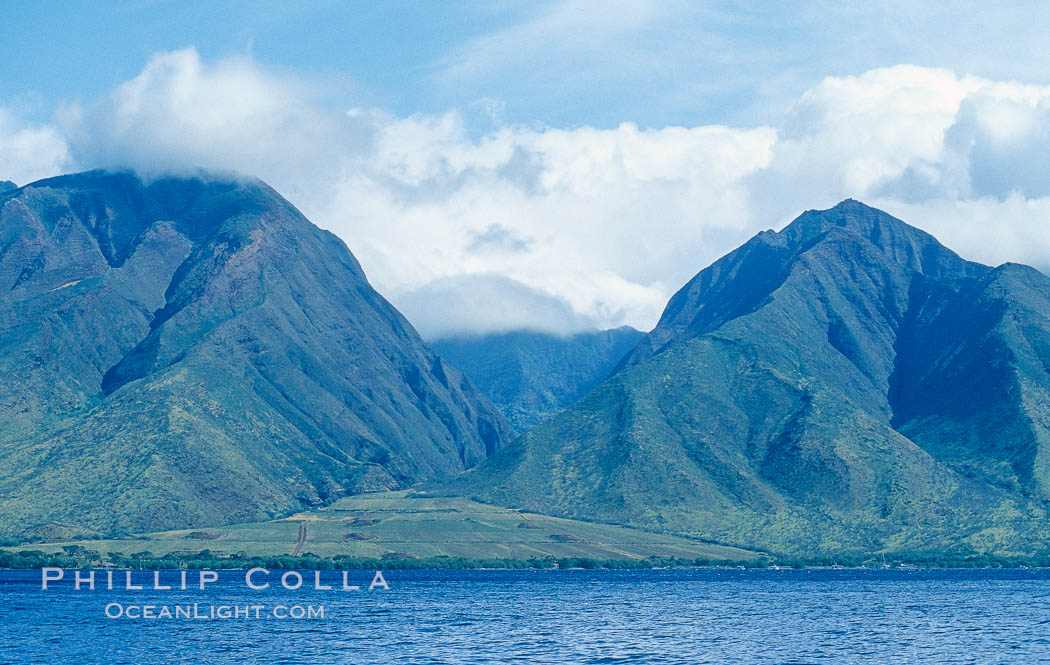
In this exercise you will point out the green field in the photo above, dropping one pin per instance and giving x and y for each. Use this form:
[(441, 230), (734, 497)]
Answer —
[(412, 525)]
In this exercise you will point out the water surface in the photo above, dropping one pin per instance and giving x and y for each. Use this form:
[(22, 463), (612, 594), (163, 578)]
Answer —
[(660, 616)]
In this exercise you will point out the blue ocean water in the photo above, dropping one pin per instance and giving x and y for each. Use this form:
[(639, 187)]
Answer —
[(655, 616)]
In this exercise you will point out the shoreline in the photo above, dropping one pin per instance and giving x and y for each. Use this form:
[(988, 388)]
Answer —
[(82, 559)]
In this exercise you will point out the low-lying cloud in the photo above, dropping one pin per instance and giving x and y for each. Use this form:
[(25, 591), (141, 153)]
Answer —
[(485, 303), (558, 229)]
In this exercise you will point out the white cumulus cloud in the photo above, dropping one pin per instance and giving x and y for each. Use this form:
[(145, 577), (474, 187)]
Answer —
[(29, 152), (553, 228), (182, 113)]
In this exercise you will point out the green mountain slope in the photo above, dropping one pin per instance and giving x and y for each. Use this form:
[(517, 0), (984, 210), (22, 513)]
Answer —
[(845, 385), (194, 351), (411, 525), (531, 375)]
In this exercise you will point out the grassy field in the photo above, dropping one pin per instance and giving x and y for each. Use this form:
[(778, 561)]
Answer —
[(409, 524)]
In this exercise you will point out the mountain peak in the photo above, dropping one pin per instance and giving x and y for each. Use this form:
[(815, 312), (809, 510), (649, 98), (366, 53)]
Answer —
[(169, 196), (127, 178), (904, 245), (202, 327), (847, 383), (118, 208), (851, 202), (845, 240), (849, 214)]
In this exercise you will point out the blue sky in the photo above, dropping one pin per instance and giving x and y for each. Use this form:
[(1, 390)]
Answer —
[(375, 52), (565, 164), (598, 64)]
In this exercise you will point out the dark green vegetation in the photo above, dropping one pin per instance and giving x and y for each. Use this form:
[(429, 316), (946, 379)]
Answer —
[(77, 556), (531, 375), (190, 359), (845, 386), (193, 351), (83, 556), (409, 527)]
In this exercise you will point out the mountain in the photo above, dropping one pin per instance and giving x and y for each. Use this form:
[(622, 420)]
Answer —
[(845, 385), (193, 351), (532, 375)]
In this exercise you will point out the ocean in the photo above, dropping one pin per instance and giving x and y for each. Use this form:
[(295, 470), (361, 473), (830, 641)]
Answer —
[(551, 616)]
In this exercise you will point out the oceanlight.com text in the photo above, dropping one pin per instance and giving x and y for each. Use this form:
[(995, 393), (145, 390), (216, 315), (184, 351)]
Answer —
[(212, 611), (209, 594)]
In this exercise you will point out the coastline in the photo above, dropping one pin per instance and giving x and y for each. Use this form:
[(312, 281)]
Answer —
[(85, 560)]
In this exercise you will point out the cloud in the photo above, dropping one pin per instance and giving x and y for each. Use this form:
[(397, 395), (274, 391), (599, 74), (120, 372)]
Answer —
[(29, 152), (561, 228), (914, 133), (664, 62), (574, 214), (499, 239), (986, 229), (234, 114), (1002, 134), (483, 303), (577, 32), (860, 131), (961, 156)]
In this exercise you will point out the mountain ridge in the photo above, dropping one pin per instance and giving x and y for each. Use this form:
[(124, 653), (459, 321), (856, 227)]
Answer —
[(781, 249), (532, 375), (194, 351), (781, 401)]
